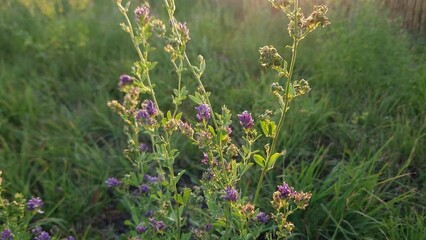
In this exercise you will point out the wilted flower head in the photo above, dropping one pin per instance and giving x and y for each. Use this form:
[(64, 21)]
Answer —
[(285, 190), (35, 203), (203, 112), (186, 129), (158, 27), (281, 4), (43, 236), (6, 235), (246, 120), (112, 182), (262, 217), (125, 80), (317, 18), (205, 159), (142, 14), (231, 194), (269, 56)]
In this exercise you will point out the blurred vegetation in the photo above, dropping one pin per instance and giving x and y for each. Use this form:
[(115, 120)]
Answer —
[(357, 141)]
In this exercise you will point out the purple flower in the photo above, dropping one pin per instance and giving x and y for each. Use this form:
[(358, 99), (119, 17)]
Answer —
[(143, 116), (35, 203), (208, 227), (150, 179), (140, 229), (43, 236), (151, 109), (125, 80), (246, 120), (157, 225), (144, 188), (37, 230), (203, 112), (205, 159), (285, 190), (262, 217), (143, 147), (142, 14), (228, 130), (184, 31), (6, 235), (112, 182), (149, 214), (231, 194)]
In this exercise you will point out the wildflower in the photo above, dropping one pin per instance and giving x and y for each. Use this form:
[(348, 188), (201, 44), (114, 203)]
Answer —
[(285, 190), (301, 199), (203, 112), (203, 138), (151, 179), (142, 14), (208, 227), (231, 194), (269, 57), (186, 129), (125, 80), (140, 229), (205, 159), (144, 117), (144, 188), (43, 236), (112, 182), (35, 203), (150, 107), (184, 32), (143, 147), (37, 230), (6, 235), (317, 18), (262, 217), (246, 120), (157, 225)]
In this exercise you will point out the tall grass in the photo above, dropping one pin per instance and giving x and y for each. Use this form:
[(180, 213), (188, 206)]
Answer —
[(356, 142)]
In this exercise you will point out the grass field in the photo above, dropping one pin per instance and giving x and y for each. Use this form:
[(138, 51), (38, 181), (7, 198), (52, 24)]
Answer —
[(357, 141)]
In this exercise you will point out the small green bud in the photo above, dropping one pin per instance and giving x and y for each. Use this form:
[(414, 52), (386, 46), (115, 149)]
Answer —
[(269, 57)]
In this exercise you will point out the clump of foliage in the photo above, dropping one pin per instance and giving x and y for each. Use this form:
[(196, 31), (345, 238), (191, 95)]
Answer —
[(214, 206)]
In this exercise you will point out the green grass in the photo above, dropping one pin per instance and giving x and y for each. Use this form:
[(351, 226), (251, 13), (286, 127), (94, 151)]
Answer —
[(356, 141)]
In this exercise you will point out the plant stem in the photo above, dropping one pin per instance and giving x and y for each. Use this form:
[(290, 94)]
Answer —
[(286, 104), (228, 220)]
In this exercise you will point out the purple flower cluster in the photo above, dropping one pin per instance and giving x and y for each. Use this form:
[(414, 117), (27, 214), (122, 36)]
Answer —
[(246, 120), (151, 179), (140, 229), (148, 111), (112, 182), (35, 203), (43, 236), (205, 159), (143, 147), (144, 188), (142, 14), (262, 217), (157, 225), (203, 112), (285, 190), (125, 80), (6, 235), (231, 194)]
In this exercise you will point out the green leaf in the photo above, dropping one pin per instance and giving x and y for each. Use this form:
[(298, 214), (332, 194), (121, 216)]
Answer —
[(219, 223), (264, 126), (195, 99), (259, 160), (186, 195), (273, 159)]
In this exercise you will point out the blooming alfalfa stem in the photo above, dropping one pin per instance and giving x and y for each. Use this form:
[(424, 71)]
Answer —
[(142, 56), (284, 107)]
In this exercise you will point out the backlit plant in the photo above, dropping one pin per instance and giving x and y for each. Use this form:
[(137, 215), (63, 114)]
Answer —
[(214, 207)]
